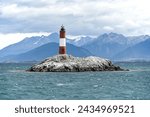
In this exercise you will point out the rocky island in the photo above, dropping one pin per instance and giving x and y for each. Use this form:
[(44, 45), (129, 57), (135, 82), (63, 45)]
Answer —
[(68, 63)]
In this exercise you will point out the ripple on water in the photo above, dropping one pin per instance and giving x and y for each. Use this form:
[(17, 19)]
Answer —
[(16, 83)]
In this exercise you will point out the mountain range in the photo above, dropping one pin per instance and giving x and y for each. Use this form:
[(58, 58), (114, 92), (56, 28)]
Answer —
[(28, 44), (45, 51), (140, 51), (112, 46)]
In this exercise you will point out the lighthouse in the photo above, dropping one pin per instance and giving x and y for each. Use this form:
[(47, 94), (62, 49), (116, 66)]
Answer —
[(62, 41)]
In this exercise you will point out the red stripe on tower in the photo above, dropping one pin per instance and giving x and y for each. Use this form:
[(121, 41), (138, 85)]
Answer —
[(62, 42)]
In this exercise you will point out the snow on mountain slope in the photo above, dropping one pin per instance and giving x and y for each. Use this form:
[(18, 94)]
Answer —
[(28, 44)]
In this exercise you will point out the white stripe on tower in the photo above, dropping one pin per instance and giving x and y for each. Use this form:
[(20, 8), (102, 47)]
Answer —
[(62, 42)]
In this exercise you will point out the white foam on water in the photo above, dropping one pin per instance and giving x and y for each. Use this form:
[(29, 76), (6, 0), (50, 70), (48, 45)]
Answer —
[(95, 86), (61, 84), (13, 71), (139, 70)]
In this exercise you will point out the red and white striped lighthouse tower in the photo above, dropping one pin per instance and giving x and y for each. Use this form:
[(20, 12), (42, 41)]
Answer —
[(62, 42)]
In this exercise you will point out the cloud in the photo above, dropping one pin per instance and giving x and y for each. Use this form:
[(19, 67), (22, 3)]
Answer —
[(81, 17), (108, 28)]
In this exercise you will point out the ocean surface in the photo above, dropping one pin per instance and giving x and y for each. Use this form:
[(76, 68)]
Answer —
[(16, 83)]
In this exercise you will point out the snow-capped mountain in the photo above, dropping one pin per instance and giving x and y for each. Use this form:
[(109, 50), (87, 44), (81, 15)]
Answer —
[(106, 45), (140, 51), (132, 40), (114, 45), (80, 41), (33, 42), (28, 44), (112, 38)]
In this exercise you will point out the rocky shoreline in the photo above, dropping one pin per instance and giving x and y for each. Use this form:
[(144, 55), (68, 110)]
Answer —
[(68, 63)]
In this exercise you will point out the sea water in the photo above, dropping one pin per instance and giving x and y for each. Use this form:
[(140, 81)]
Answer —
[(16, 83)]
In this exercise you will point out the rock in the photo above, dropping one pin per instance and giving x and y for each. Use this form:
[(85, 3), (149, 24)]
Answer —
[(68, 63)]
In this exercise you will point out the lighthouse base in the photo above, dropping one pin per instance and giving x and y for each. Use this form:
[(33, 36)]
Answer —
[(62, 50)]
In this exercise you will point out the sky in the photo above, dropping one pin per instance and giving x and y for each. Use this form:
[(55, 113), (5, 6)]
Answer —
[(21, 18)]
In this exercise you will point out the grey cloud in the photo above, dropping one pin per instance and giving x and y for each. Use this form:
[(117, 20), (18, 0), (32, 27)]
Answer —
[(89, 17)]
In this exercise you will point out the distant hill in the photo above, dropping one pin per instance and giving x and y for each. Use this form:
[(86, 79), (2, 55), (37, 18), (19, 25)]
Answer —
[(140, 51), (28, 44), (45, 51), (137, 39), (107, 45)]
